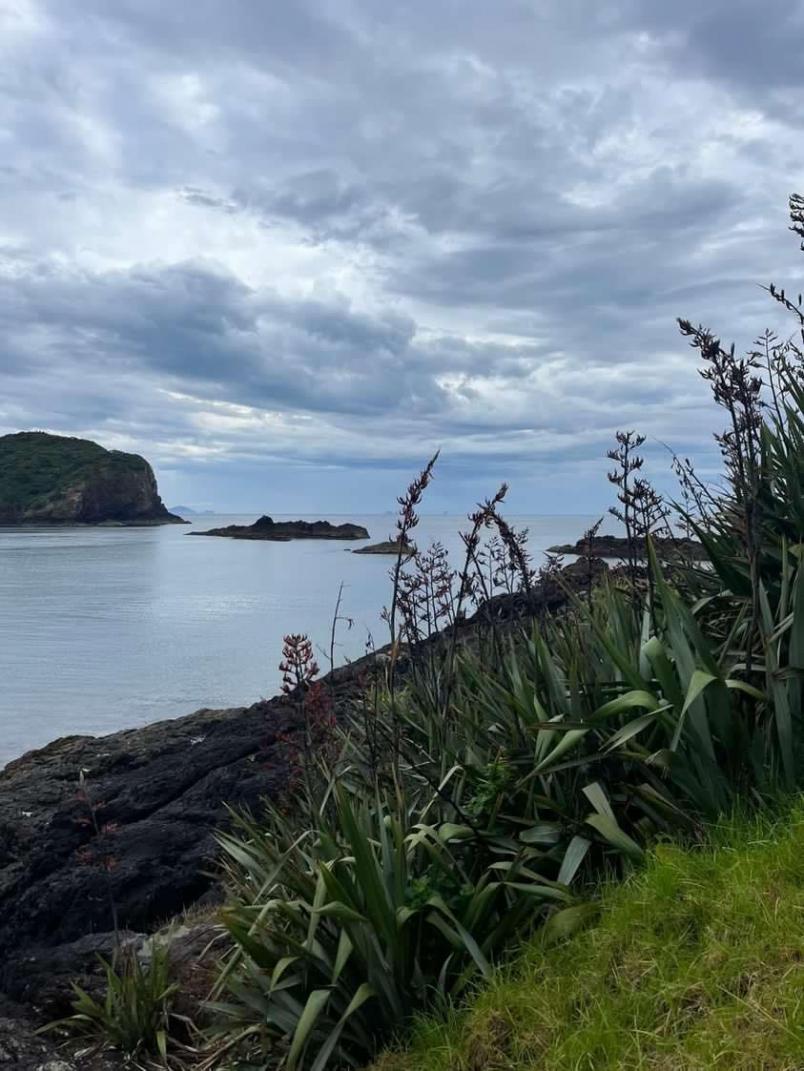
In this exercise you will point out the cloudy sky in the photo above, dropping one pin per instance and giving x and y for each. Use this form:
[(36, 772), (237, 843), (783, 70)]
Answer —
[(286, 249)]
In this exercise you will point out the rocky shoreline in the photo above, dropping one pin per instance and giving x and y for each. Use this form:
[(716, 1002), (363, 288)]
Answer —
[(140, 522), (141, 835), (616, 547)]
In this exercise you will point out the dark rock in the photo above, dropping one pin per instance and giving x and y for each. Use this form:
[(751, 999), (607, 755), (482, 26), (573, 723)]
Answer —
[(52, 479), (608, 546), (583, 574), (283, 531), (46, 975), (159, 793), (22, 1049), (389, 546), (549, 594), (146, 839)]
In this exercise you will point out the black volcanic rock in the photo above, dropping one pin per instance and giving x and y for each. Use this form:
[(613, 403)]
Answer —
[(23, 1048), (609, 546), (389, 546), (159, 794), (284, 531), (52, 479)]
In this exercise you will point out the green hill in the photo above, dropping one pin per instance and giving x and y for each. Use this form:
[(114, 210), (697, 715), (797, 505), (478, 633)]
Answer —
[(696, 963), (54, 479)]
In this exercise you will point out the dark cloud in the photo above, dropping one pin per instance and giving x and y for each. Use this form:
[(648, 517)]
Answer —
[(199, 325), (748, 45)]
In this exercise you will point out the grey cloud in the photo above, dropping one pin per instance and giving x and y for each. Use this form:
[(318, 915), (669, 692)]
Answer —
[(504, 206), (749, 45), (300, 33), (194, 323)]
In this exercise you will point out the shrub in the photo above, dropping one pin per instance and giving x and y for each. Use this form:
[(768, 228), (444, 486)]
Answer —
[(134, 1015), (363, 923)]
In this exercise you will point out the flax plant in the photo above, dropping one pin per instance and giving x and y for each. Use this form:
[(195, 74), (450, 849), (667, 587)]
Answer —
[(516, 757)]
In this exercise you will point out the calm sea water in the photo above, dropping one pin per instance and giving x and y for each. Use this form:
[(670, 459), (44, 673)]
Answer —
[(108, 628)]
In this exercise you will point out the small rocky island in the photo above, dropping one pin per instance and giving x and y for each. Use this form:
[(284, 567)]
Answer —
[(609, 546), (389, 546), (53, 479), (284, 531)]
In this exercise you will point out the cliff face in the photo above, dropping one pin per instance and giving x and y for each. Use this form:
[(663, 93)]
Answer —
[(51, 479)]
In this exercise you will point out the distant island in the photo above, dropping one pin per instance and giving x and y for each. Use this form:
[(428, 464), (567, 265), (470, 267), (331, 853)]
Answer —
[(188, 511), (53, 479), (388, 546), (283, 531), (609, 546)]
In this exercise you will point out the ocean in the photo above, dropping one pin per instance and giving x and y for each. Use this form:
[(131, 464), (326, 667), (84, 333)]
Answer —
[(110, 628)]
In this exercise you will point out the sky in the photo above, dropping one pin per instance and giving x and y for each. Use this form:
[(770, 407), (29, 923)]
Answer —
[(287, 250)]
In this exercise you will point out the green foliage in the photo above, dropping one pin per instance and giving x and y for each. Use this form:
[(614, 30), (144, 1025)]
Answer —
[(555, 762), (488, 790), (35, 465), (698, 962), (558, 762), (357, 927), (134, 1014)]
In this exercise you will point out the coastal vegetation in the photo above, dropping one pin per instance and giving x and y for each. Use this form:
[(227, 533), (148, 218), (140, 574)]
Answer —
[(695, 962), (502, 767), (483, 788), (135, 1013), (53, 479)]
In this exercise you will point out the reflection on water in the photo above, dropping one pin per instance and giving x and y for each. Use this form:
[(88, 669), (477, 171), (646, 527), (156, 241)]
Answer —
[(107, 628)]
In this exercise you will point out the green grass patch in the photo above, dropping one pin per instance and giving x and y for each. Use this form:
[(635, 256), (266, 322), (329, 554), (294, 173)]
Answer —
[(697, 962)]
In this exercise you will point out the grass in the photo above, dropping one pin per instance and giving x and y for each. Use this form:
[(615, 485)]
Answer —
[(697, 962)]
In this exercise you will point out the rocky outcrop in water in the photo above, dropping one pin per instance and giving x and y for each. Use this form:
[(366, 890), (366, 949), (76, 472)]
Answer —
[(52, 479), (609, 546), (389, 546), (283, 531)]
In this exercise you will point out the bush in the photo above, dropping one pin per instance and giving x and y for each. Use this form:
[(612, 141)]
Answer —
[(134, 1015), (364, 923)]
